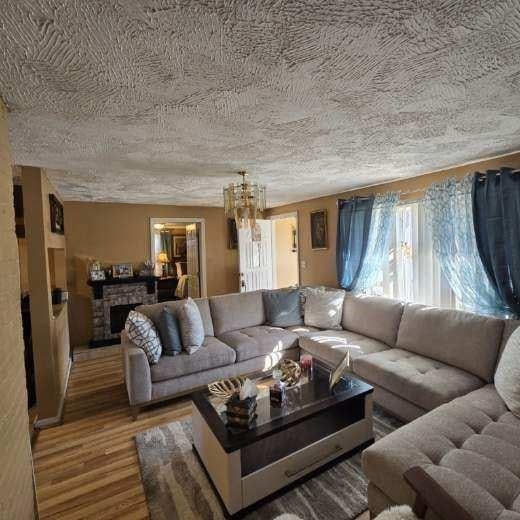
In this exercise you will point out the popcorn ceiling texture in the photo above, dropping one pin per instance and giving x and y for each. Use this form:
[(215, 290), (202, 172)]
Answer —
[(160, 101)]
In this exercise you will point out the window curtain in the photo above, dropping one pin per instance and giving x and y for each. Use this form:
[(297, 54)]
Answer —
[(166, 244), (383, 217), (354, 217), (449, 212), (496, 211)]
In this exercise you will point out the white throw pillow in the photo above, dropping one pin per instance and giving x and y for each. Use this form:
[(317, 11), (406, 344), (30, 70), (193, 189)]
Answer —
[(507, 375), (323, 308), (192, 327), (143, 334)]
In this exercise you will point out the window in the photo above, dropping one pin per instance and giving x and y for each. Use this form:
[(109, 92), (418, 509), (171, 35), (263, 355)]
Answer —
[(412, 272)]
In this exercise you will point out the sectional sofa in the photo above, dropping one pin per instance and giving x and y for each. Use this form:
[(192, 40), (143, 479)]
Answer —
[(430, 367)]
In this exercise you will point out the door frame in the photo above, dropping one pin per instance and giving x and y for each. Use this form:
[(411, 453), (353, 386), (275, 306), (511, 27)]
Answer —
[(202, 244), (283, 216)]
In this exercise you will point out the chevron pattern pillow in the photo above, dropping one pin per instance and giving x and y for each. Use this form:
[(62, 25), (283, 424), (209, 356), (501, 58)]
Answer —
[(143, 334)]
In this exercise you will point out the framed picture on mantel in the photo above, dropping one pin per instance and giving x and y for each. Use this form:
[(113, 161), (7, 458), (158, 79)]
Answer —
[(319, 236)]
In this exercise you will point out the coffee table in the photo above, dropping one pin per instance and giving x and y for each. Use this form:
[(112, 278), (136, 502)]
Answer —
[(313, 428)]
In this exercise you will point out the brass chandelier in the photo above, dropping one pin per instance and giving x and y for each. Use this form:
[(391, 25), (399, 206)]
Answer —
[(243, 201)]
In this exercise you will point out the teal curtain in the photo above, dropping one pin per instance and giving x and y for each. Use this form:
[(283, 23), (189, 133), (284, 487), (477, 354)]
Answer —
[(449, 212), (496, 217), (383, 213), (354, 216)]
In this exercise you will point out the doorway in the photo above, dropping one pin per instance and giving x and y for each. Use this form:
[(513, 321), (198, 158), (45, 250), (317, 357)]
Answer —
[(286, 272), (178, 250), (268, 258)]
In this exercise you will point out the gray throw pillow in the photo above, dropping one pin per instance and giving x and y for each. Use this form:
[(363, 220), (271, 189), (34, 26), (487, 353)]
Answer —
[(507, 375), (323, 308), (170, 333), (282, 307), (192, 328), (143, 334)]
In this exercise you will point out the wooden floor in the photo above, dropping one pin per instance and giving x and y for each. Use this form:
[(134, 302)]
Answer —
[(87, 468)]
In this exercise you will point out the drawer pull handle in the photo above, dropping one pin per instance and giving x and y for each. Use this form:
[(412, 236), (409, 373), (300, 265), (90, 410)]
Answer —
[(291, 474)]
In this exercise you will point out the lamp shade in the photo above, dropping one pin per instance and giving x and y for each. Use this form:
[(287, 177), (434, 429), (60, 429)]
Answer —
[(163, 258)]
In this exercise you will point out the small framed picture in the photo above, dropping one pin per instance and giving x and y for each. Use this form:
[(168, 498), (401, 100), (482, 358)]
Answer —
[(319, 235), (97, 275), (179, 246), (57, 219), (122, 270)]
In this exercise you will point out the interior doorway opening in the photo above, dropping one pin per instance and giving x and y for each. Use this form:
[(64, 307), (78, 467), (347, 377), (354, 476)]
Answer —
[(177, 248), (286, 272)]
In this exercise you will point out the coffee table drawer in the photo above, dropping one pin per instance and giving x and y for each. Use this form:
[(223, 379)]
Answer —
[(269, 479)]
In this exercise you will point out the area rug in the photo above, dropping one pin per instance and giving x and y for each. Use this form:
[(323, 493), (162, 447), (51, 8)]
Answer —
[(177, 488)]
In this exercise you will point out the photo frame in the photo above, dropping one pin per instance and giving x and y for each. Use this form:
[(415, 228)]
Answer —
[(319, 231), (122, 271), (179, 246), (57, 218), (338, 372)]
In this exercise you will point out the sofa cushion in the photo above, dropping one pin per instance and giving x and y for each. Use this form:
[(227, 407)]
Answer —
[(236, 311), (471, 446), (192, 327), (323, 307), (169, 332), (282, 307), (330, 346), (507, 376), (142, 333), (372, 316), (258, 341), (461, 339), (418, 379), (212, 354), (154, 312)]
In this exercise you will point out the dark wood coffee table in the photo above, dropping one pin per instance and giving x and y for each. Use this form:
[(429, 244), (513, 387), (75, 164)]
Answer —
[(285, 444)]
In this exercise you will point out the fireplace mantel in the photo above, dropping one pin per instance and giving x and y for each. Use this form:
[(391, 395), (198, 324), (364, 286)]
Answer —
[(97, 285)]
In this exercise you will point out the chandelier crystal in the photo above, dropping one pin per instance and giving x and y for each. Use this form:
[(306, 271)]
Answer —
[(243, 201)]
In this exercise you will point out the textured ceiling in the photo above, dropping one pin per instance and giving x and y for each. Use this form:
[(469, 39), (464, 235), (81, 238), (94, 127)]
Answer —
[(159, 101)]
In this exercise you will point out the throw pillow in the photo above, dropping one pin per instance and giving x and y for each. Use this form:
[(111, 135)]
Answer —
[(192, 328), (143, 334), (170, 333), (323, 308), (282, 307), (507, 375)]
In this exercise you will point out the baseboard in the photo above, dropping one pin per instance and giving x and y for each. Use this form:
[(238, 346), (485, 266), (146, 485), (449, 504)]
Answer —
[(57, 419)]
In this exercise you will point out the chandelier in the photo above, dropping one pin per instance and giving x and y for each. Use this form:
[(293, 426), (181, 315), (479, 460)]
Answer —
[(243, 201)]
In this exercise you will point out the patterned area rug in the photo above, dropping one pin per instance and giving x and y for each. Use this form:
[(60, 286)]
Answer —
[(176, 486)]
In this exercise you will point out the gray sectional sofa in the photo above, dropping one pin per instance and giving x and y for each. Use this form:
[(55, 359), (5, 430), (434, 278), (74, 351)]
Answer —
[(430, 367)]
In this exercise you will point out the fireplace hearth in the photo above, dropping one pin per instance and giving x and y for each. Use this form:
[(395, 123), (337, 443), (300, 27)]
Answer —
[(112, 300)]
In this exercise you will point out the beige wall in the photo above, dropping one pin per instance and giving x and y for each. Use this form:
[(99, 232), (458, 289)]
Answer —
[(16, 475), (321, 265), (51, 344), (286, 259), (114, 233)]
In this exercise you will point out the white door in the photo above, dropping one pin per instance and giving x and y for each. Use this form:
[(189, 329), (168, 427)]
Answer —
[(192, 254), (256, 258)]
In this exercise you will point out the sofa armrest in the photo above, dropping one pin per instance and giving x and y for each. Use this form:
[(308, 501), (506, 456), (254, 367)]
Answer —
[(137, 373)]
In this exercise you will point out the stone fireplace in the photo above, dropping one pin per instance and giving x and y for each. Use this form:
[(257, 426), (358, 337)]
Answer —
[(112, 300)]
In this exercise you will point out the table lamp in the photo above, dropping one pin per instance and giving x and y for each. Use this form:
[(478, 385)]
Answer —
[(163, 259)]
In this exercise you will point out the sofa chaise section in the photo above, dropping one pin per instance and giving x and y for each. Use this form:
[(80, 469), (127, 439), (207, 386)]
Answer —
[(471, 446), (439, 355)]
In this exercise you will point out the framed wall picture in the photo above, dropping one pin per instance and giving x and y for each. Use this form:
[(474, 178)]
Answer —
[(319, 235), (122, 270), (179, 246), (57, 219)]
